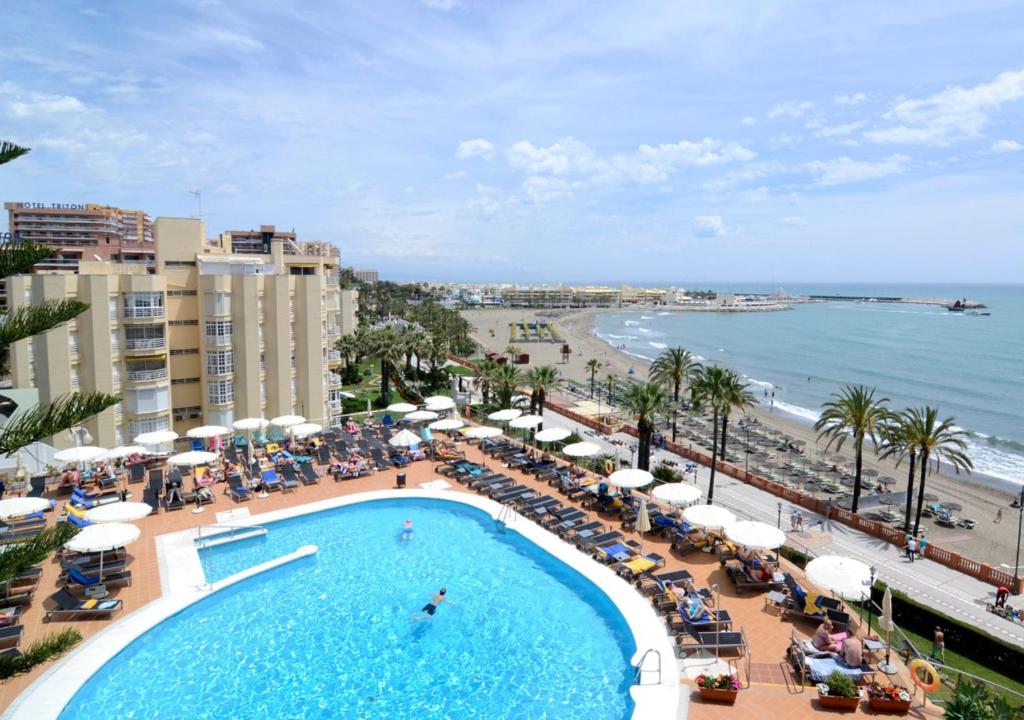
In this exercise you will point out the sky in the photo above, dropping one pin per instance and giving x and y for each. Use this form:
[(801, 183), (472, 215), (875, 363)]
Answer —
[(472, 140)]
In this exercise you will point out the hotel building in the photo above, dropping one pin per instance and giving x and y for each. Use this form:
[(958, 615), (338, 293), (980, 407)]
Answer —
[(224, 329)]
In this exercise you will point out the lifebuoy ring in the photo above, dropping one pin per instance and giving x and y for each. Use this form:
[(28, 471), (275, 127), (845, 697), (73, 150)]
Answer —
[(609, 467), (934, 681)]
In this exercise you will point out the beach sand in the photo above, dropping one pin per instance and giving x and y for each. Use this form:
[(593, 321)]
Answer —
[(990, 542)]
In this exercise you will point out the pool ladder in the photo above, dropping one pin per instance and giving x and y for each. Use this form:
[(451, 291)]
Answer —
[(638, 677), (222, 534), (506, 514)]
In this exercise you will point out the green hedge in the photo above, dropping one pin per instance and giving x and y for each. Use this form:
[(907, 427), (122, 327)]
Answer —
[(39, 652)]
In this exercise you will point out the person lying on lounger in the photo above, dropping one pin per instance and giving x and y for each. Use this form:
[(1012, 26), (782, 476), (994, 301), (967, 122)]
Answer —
[(351, 427)]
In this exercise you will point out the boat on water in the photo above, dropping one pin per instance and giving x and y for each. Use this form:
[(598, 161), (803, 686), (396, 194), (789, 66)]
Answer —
[(957, 306)]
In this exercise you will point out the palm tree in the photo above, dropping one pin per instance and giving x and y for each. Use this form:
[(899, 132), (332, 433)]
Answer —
[(644, 401), (542, 380), (346, 345), (674, 367), (512, 351), (507, 379), (897, 443), (611, 387), (9, 151), (853, 413), (593, 366), (709, 390), (485, 379), (942, 441), (736, 397), (383, 344)]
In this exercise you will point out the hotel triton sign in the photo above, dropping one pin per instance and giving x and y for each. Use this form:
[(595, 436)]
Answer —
[(54, 206)]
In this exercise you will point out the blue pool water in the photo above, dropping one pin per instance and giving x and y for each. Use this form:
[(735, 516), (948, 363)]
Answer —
[(330, 636)]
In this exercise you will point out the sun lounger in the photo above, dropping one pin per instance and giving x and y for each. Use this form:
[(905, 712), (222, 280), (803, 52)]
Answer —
[(743, 579), (289, 478), (236, 489), (811, 606), (660, 583), (587, 544), (717, 642), (582, 531), (67, 607), (639, 566), (815, 667), (11, 635), (308, 474), (136, 473), (270, 480), (117, 577)]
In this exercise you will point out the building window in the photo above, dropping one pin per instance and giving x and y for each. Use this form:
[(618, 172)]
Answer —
[(145, 425), (184, 381), (188, 413), (218, 332), (220, 392), (113, 308), (143, 305), (185, 351), (147, 400), (179, 263), (181, 293), (182, 322), (220, 362), (144, 337), (217, 303)]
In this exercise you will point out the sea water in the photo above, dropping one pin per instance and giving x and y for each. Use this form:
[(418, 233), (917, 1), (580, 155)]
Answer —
[(969, 366)]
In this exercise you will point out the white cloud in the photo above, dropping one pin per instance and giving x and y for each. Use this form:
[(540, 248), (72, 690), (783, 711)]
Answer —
[(229, 38), (561, 157), (791, 109), (795, 222), (749, 120), (477, 147), (708, 226), (854, 99), (1006, 146), (543, 189), (43, 105), (457, 175), (845, 170), (956, 113), (489, 201), (735, 178), (838, 130)]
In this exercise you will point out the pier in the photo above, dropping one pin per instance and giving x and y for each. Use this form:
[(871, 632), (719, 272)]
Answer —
[(965, 304)]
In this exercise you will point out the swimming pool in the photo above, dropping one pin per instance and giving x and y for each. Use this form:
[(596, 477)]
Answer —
[(331, 636)]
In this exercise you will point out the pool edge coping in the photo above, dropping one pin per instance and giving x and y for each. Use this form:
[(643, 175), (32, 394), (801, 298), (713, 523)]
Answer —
[(183, 584)]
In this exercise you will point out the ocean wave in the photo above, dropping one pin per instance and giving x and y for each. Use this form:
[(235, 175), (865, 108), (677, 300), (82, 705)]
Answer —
[(646, 317), (759, 383), (666, 313), (617, 337), (644, 330), (660, 346), (635, 354), (631, 323), (801, 413)]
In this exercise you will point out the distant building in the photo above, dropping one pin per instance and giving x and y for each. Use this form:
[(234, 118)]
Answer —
[(366, 276)]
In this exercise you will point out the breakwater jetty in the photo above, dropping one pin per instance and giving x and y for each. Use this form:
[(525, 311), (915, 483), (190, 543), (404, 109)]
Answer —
[(961, 304)]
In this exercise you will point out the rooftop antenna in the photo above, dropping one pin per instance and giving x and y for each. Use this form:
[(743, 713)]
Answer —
[(199, 199)]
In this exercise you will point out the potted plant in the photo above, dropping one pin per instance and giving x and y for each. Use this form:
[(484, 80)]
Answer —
[(838, 692), (888, 698), (718, 688)]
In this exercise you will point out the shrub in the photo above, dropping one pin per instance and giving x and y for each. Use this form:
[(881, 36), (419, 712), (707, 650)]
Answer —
[(718, 682), (39, 652), (666, 474), (839, 685), (878, 691)]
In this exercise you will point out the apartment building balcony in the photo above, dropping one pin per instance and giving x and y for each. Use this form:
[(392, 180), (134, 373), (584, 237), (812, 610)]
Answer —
[(334, 357), (143, 313), (145, 345), (146, 376), (334, 380), (333, 331)]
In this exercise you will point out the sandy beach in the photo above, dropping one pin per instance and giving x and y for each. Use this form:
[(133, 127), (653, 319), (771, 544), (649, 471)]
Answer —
[(990, 542)]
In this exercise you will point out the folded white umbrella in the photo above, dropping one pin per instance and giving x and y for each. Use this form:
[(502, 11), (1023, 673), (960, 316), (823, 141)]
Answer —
[(526, 421), (208, 431), (482, 432), (582, 449), (677, 493), (505, 415), (405, 438), (82, 454), (192, 458), (446, 424), (249, 424), (157, 437), (401, 407), (304, 429), (755, 535), (552, 435), (643, 523), (439, 402), (630, 478), (286, 421), (123, 451), (118, 512), (18, 506), (711, 517), (843, 576), (421, 415)]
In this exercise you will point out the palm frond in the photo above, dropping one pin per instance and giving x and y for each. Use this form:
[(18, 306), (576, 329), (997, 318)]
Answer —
[(16, 558), (46, 420), (17, 258), (28, 320), (9, 151)]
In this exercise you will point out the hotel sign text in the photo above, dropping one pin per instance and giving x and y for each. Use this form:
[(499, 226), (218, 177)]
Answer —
[(57, 206)]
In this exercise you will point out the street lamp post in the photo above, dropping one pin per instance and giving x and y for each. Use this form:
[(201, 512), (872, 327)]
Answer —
[(674, 412), (1016, 559), (871, 585)]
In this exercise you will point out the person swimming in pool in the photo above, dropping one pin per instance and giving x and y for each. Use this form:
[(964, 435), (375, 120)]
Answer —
[(406, 530), (431, 607)]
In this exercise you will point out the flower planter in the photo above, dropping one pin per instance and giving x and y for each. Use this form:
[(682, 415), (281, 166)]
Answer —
[(834, 702), (888, 706), (718, 695)]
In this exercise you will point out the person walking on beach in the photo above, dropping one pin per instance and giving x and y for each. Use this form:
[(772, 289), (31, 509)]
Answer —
[(999, 516)]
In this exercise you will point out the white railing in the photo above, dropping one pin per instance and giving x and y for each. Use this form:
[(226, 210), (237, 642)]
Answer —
[(334, 354), (218, 339), (145, 343), (333, 330), (146, 375), (143, 312), (334, 379)]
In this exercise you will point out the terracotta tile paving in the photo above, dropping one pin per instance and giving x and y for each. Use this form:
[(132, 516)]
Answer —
[(772, 692)]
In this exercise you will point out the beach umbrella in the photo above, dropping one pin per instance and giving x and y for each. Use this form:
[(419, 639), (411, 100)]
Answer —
[(886, 480), (951, 506), (931, 497), (439, 402), (304, 429), (192, 458), (286, 421), (481, 432), (208, 431), (526, 421), (156, 437), (446, 424), (505, 415), (891, 498), (755, 535), (118, 512), (843, 576), (868, 472), (421, 415), (677, 493), (885, 622), (630, 478), (103, 538), (643, 523), (81, 454), (19, 506), (401, 407), (711, 517), (123, 451), (404, 438), (552, 435), (582, 449), (249, 424)]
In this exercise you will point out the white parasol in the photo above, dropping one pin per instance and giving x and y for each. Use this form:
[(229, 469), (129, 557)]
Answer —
[(118, 512), (630, 478), (157, 437), (192, 458), (446, 424), (286, 421), (401, 407), (404, 438), (82, 454), (505, 415), (677, 493), (439, 402), (483, 431), (755, 535), (249, 424), (208, 431), (582, 449), (843, 576), (103, 538), (552, 435), (526, 421), (711, 517), (421, 415), (304, 429), (643, 523), (18, 506)]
